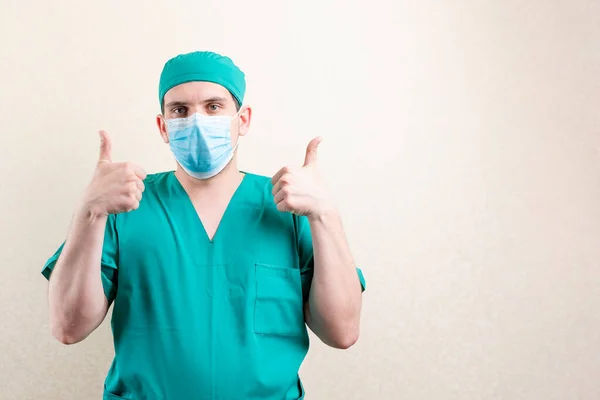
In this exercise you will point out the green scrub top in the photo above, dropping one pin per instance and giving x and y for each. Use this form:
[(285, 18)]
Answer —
[(195, 318)]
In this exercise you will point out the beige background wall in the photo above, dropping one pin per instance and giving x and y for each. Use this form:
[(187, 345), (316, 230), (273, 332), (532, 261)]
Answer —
[(461, 139)]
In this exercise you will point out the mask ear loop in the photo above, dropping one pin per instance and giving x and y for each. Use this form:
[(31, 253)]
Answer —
[(239, 136)]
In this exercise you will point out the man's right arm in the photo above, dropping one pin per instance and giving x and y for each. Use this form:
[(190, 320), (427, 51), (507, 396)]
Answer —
[(76, 298)]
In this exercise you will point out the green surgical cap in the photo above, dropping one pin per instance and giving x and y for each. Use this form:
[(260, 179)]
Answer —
[(203, 66)]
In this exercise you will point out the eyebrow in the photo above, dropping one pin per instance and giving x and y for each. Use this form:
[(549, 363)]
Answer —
[(176, 103), (215, 99)]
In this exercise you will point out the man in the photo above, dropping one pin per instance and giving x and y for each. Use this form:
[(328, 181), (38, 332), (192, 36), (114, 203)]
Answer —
[(214, 272)]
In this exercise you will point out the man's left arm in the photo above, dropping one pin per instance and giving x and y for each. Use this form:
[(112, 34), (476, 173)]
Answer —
[(332, 310)]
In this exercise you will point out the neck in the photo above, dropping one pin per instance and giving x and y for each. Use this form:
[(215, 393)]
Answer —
[(230, 177)]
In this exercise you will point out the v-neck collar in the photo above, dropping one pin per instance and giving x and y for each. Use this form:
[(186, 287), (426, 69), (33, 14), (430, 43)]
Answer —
[(235, 198)]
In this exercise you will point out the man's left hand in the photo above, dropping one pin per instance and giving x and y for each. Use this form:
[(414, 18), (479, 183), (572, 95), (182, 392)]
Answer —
[(300, 190)]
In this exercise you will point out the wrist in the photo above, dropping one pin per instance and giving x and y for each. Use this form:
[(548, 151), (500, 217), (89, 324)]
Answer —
[(90, 213), (325, 213)]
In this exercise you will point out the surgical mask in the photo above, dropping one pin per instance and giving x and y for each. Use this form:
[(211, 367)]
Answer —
[(201, 144)]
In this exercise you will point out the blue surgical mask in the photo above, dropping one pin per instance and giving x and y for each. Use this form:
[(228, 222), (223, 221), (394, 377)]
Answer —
[(201, 144)]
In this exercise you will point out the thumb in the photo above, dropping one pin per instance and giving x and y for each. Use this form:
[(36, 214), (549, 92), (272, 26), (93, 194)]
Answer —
[(105, 148), (311, 151)]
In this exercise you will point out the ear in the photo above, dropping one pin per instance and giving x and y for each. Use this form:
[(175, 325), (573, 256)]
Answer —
[(162, 127), (245, 118)]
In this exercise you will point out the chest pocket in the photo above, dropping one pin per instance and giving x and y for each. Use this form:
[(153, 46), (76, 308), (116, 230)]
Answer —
[(278, 309)]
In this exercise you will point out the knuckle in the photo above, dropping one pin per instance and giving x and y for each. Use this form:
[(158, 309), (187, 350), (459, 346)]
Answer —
[(133, 203), (128, 167), (288, 171), (286, 178)]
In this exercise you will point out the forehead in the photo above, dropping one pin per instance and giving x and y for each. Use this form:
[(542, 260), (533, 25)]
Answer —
[(196, 92)]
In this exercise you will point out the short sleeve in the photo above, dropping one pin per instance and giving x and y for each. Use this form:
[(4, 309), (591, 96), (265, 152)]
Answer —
[(305, 254), (108, 261)]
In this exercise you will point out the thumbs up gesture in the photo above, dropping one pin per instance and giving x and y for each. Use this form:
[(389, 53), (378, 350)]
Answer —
[(115, 187), (300, 190)]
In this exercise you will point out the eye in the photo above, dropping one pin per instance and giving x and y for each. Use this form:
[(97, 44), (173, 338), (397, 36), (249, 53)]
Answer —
[(179, 110), (214, 107)]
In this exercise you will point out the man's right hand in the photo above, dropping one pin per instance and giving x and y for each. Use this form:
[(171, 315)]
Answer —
[(115, 187)]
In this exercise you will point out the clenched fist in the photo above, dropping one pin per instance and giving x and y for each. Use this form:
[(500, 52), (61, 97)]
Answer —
[(300, 190), (115, 187)]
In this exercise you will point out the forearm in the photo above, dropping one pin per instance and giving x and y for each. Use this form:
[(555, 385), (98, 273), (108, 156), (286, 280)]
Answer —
[(76, 297), (335, 296)]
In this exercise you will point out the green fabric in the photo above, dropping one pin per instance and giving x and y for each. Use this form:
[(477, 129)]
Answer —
[(202, 319), (203, 66)]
